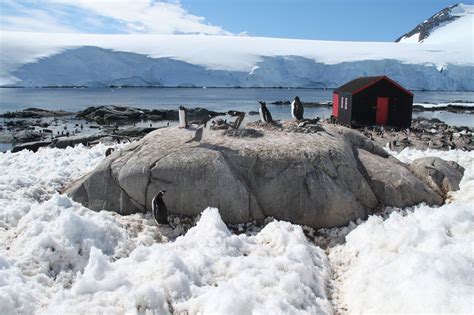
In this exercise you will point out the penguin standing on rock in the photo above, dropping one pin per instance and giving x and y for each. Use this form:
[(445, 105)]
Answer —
[(158, 209), (183, 117), (297, 109), (238, 121), (265, 115)]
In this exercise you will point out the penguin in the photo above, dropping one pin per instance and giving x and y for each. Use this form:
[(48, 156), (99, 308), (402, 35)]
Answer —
[(240, 117), (109, 151), (265, 115), (297, 109), (158, 209), (197, 134), (183, 117)]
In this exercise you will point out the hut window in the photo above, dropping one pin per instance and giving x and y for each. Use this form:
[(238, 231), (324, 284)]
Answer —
[(342, 102), (345, 103)]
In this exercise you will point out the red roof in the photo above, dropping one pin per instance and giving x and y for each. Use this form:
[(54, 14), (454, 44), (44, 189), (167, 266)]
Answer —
[(357, 85)]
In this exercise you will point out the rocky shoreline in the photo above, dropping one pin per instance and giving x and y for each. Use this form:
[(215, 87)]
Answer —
[(33, 128)]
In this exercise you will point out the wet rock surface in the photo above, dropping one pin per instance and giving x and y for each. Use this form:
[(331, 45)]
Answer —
[(35, 113), (111, 114), (423, 134), (321, 179)]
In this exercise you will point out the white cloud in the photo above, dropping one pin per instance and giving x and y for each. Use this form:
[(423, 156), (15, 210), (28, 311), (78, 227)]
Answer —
[(138, 16)]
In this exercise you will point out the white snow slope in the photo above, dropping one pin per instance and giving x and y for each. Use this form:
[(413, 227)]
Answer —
[(458, 30), (416, 260), (36, 59)]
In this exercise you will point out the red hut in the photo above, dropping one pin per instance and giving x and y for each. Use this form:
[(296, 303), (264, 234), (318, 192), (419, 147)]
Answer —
[(373, 101)]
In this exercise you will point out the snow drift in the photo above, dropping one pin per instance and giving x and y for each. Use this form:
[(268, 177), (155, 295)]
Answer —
[(60, 257), (417, 260)]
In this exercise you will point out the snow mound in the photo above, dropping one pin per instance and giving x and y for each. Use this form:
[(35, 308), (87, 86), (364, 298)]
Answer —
[(28, 177), (209, 270), (416, 260), (60, 257)]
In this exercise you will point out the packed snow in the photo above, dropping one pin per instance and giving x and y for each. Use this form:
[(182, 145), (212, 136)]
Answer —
[(416, 260), (60, 257)]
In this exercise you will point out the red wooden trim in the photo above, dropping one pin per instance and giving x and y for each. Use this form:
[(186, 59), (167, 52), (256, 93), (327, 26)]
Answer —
[(382, 78), (335, 104)]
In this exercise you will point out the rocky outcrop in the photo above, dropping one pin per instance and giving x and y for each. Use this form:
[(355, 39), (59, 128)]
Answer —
[(35, 113), (321, 179), (442, 176), (111, 114)]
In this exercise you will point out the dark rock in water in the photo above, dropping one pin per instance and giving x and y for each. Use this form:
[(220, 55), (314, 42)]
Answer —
[(111, 114), (442, 176), (106, 114), (243, 133), (253, 113), (281, 103), (325, 179), (32, 146), (64, 142), (35, 113), (27, 136)]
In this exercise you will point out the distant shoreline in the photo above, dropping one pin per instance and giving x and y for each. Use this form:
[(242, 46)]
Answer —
[(198, 87)]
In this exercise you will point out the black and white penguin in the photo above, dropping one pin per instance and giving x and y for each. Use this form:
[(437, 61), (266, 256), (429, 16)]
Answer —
[(158, 209), (183, 117), (297, 109), (109, 151), (265, 115), (240, 117)]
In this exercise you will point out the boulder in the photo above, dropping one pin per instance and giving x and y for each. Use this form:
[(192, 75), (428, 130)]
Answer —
[(27, 136), (324, 179), (442, 176), (64, 142), (394, 184), (116, 114)]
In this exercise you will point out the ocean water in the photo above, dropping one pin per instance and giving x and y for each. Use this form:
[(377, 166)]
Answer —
[(217, 99)]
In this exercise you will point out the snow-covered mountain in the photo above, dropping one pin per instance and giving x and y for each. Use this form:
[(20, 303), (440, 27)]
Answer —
[(450, 25), (40, 59)]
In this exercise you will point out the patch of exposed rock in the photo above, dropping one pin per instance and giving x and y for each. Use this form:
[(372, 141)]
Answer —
[(110, 114), (321, 179), (35, 113)]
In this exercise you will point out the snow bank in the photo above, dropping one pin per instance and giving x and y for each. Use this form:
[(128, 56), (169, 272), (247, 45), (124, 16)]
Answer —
[(27, 177), (60, 257), (208, 270), (417, 260)]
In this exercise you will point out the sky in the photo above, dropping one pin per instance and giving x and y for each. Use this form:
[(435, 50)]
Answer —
[(345, 20)]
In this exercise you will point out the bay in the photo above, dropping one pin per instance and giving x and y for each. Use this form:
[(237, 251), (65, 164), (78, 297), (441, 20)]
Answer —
[(217, 99)]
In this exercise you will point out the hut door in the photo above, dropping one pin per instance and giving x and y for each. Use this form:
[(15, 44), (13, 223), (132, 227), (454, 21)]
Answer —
[(382, 111)]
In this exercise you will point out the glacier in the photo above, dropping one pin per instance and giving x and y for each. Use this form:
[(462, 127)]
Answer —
[(97, 67), (100, 60)]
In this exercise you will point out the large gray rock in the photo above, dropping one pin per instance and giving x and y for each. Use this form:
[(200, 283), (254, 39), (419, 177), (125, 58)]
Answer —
[(394, 184), (442, 176), (324, 179)]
